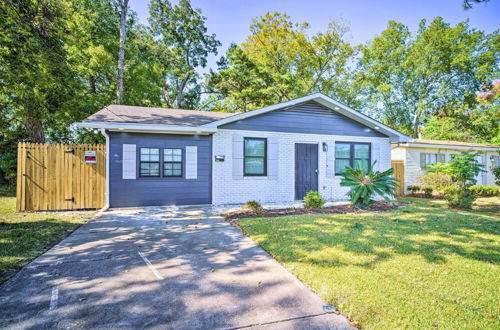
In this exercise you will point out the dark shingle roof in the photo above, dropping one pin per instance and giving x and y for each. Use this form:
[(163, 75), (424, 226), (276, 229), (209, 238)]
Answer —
[(146, 115)]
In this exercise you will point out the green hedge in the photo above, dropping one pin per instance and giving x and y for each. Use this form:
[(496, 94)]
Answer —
[(486, 191)]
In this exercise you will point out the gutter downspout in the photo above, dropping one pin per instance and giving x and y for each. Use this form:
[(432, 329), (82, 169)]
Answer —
[(106, 193)]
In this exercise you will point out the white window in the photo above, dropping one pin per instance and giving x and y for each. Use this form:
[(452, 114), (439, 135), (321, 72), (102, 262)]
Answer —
[(427, 159), (431, 159)]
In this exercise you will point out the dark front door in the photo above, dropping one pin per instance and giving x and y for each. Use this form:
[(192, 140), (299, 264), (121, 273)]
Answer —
[(306, 169)]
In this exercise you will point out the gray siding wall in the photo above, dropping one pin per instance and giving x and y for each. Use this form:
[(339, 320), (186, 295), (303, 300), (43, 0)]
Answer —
[(308, 117), (162, 190)]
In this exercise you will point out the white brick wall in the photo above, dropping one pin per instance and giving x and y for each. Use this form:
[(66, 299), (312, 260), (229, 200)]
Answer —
[(226, 190), (411, 157)]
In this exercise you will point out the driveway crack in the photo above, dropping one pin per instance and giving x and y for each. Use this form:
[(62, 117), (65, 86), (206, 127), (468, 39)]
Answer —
[(278, 321)]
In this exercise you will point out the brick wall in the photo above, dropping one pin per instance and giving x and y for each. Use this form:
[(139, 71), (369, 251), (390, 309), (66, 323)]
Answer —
[(226, 190)]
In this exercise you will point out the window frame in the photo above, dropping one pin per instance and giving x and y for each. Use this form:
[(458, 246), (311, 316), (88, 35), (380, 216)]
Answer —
[(173, 162), (263, 157), (427, 156), (351, 158), (149, 162)]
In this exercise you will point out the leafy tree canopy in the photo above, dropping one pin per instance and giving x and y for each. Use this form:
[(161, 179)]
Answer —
[(404, 77), (279, 61)]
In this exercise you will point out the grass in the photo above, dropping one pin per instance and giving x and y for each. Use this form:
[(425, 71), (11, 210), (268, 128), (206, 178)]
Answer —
[(24, 236), (421, 266)]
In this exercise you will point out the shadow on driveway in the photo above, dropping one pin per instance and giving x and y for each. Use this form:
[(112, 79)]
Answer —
[(159, 268)]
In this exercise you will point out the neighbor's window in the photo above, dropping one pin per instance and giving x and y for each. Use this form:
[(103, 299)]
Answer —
[(172, 162), (254, 152), (149, 164), (428, 159), (351, 154)]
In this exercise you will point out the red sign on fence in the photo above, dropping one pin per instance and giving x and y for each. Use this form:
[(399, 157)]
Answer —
[(90, 157)]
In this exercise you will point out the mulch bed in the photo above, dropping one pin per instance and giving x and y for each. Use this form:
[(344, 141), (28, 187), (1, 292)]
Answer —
[(381, 206)]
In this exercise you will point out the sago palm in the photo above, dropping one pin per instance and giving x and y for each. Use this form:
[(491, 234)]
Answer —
[(366, 184)]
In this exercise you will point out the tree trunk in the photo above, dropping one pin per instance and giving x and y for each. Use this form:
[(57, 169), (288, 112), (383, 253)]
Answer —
[(121, 52), (179, 99), (35, 131)]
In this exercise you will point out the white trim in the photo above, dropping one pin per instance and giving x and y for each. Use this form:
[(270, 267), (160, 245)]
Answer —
[(147, 128), (106, 192), (326, 101), (444, 146)]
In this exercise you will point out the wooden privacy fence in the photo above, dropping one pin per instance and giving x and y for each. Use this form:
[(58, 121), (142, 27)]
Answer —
[(399, 173), (56, 177)]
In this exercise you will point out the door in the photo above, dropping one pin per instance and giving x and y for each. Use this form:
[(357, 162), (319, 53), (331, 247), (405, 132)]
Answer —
[(306, 169)]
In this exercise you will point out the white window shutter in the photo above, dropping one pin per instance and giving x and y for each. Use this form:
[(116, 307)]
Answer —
[(191, 162), (129, 161), (272, 157), (376, 156), (237, 156), (330, 159)]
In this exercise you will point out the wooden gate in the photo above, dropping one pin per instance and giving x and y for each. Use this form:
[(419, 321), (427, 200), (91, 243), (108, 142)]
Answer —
[(55, 177), (399, 173)]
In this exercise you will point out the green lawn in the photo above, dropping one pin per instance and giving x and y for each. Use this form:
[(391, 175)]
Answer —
[(25, 236), (420, 266)]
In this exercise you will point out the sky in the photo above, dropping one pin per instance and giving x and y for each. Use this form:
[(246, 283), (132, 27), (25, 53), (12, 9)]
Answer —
[(230, 19)]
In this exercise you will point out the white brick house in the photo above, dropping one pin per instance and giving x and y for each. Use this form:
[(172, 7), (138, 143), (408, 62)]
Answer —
[(229, 189), (275, 154), (418, 153)]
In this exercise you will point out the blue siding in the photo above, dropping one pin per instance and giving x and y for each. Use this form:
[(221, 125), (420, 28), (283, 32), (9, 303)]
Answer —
[(159, 191), (308, 117)]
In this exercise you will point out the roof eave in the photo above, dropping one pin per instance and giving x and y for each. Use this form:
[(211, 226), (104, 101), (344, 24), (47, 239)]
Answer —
[(447, 146), (147, 128)]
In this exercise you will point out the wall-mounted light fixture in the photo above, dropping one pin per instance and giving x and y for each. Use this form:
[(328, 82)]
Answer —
[(325, 147), (219, 158)]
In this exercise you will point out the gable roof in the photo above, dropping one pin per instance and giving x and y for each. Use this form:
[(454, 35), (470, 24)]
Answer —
[(146, 119), (324, 100), (147, 115), (424, 143)]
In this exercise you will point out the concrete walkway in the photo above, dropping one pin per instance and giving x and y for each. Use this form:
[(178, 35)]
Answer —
[(160, 268)]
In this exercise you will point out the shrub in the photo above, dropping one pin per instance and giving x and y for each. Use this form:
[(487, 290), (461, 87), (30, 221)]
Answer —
[(365, 184), (428, 192), (413, 189), (486, 191), (254, 207), (460, 197), (436, 181), (463, 168), (496, 173), (313, 200)]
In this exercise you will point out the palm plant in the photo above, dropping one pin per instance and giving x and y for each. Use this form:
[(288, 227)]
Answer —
[(366, 184)]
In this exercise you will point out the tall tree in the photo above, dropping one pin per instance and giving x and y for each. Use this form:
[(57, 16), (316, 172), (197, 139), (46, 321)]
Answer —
[(36, 79), (240, 84), (279, 61), (182, 45), (404, 78), (476, 123), (121, 52)]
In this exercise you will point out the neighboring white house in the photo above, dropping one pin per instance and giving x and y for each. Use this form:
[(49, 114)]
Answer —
[(418, 154), (161, 156)]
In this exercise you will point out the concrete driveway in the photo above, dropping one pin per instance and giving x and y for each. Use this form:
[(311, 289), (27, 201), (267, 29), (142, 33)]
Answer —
[(163, 268)]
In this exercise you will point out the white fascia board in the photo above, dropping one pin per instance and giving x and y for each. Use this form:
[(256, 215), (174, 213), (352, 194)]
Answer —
[(394, 135), (147, 128), (448, 147)]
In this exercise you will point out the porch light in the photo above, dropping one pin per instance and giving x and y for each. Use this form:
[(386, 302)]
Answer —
[(325, 147)]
